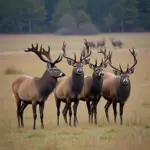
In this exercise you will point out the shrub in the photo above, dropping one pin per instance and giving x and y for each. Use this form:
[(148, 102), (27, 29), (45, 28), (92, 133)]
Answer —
[(12, 70)]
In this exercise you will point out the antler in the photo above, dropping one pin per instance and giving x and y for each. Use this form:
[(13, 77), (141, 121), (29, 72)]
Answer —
[(83, 52), (38, 53), (135, 59), (41, 52), (103, 52), (105, 55), (64, 53), (109, 58), (87, 49), (46, 53)]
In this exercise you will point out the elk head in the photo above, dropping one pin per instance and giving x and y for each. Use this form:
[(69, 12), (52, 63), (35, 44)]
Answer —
[(124, 75), (51, 66), (77, 65), (98, 69)]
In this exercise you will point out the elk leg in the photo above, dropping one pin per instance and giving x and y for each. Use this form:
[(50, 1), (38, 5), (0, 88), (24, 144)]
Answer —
[(58, 110), (121, 112), (95, 109), (41, 109), (18, 112), (65, 110), (70, 112), (75, 106), (34, 104), (23, 106), (76, 115), (115, 110), (107, 108), (89, 110), (92, 111)]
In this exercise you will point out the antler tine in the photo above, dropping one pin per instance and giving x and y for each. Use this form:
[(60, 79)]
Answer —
[(46, 53), (86, 45), (83, 52), (127, 67), (60, 57), (120, 68), (101, 62), (87, 49), (105, 55), (75, 57), (110, 64), (103, 52), (95, 62), (35, 50), (64, 47), (134, 56), (64, 52)]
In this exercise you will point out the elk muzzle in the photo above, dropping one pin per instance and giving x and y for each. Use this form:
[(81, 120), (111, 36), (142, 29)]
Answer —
[(125, 81)]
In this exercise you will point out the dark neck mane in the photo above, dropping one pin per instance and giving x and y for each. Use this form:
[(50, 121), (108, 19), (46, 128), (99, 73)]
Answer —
[(96, 85), (77, 82), (123, 92), (46, 84)]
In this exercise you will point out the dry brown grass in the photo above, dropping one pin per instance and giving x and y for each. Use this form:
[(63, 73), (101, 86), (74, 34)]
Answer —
[(133, 135)]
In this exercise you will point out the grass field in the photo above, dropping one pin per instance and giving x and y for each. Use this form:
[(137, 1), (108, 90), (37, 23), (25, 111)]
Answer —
[(134, 134)]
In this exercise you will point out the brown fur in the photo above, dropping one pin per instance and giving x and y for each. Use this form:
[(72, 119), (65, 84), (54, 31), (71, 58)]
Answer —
[(35, 90), (69, 89), (116, 87)]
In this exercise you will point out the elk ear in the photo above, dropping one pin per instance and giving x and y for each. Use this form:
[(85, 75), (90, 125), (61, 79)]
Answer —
[(116, 72), (86, 61), (91, 66), (106, 64), (70, 62), (131, 71)]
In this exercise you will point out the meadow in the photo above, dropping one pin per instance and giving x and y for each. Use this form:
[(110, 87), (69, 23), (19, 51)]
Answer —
[(134, 134)]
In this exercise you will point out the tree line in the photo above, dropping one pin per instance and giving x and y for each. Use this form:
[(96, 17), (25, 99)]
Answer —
[(74, 16)]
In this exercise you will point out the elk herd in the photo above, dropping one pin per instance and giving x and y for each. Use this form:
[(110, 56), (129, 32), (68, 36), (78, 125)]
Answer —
[(102, 43), (114, 87)]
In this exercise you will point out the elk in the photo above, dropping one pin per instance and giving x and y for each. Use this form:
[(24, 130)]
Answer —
[(116, 43), (70, 88), (117, 87), (91, 44), (93, 84), (101, 43), (35, 90)]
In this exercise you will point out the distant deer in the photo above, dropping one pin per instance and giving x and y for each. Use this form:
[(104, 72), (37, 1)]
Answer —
[(101, 43), (117, 87), (91, 44), (116, 43), (35, 90), (69, 89)]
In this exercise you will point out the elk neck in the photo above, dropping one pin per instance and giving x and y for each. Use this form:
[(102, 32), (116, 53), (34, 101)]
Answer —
[(123, 91), (46, 84), (77, 82), (96, 84)]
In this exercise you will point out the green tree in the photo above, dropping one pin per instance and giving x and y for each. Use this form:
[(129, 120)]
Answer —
[(144, 14), (82, 17), (62, 7), (109, 21), (78, 5)]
